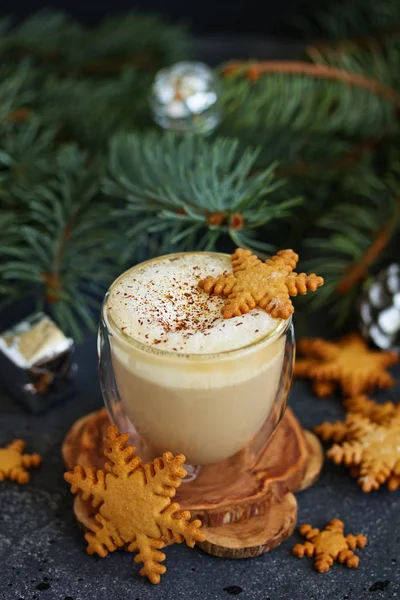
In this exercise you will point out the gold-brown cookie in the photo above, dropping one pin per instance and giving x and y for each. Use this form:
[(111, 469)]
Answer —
[(329, 545), (133, 502), (370, 449), (14, 464), (378, 413), (267, 285), (348, 363)]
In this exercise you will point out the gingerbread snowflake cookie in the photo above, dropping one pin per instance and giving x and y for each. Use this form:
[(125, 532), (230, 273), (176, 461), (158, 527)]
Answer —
[(14, 464), (371, 450), (348, 363), (133, 503), (368, 443), (268, 284), (377, 413), (329, 545)]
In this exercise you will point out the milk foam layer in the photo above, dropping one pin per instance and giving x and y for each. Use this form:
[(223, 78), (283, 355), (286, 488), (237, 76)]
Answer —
[(160, 304)]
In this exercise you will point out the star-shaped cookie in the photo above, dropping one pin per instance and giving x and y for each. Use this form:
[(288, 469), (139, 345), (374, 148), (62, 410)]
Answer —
[(265, 284), (348, 363), (133, 503), (329, 545), (368, 445), (14, 464)]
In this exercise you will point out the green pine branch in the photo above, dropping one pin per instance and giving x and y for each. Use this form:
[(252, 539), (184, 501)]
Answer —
[(380, 62), (26, 160), (71, 219), (351, 239), (90, 112), (136, 40), (313, 126), (68, 255), (11, 248), (355, 19), (299, 153), (188, 192), (302, 103), (85, 84), (55, 42), (16, 90)]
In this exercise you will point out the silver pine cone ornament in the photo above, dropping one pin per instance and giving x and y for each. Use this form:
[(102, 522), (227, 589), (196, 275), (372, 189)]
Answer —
[(380, 309)]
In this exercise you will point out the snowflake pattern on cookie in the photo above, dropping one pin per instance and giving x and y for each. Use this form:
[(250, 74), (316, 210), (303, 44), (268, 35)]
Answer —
[(133, 503), (268, 284), (14, 464), (368, 445), (329, 545)]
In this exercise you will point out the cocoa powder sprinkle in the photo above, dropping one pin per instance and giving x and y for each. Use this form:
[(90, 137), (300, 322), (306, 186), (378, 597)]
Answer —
[(164, 305)]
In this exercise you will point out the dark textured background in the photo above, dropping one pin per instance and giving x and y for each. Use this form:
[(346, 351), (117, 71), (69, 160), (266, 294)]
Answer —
[(269, 17), (42, 550)]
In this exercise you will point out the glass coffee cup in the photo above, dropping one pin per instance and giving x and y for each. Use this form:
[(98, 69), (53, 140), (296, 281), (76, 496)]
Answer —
[(191, 399)]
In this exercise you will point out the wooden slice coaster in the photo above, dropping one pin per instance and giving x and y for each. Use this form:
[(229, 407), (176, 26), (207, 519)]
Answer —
[(245, 491), (315, 461), (254, 536), (239, 488), (83, 444)]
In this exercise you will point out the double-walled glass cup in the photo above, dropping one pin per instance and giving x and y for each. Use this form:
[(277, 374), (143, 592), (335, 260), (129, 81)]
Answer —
[(207, 406)]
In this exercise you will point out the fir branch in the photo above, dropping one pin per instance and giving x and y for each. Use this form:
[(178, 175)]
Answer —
[(316, 131), (16, 90), (69, 242), (134, 40), (62, 238), (299, 153), (86, 84), (380, 62), (359, 270), (351, 237), (190, 191), (45, 35), (357, 20), (91, 111), (52, 40), (26, 159), (11, 248), (318, 99), (253, 72), (348, 154)]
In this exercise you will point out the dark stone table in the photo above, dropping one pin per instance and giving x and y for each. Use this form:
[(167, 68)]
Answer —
[(42, 550)]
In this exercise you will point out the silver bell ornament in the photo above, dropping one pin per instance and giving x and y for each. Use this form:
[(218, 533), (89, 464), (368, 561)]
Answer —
[(184, 98)]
